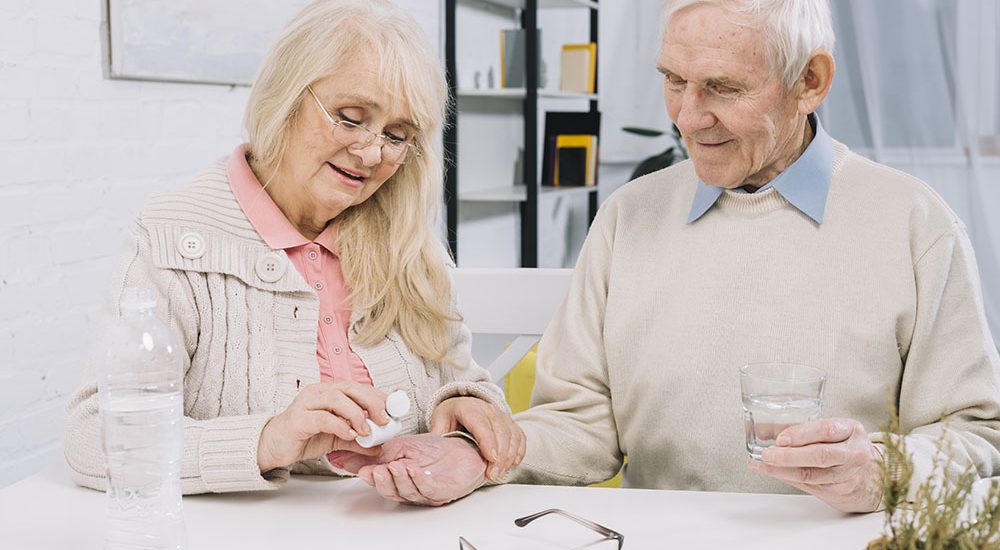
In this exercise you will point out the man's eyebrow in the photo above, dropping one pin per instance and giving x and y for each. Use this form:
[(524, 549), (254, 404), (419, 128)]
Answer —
[(716, 80), (726, 81)]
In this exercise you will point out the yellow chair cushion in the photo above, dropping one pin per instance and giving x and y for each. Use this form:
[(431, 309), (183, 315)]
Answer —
[(517, 386)]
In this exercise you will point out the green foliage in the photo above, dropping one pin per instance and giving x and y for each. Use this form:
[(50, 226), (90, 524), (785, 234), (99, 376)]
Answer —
[(934, 519)]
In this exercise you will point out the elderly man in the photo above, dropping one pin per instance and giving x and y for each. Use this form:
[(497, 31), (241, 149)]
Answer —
[(775, 243)]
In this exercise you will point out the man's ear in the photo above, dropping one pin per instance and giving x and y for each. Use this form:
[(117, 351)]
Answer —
[(814, 84)]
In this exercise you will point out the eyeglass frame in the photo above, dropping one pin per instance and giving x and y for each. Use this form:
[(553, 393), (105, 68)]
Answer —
[(608, 534), (372, 136)]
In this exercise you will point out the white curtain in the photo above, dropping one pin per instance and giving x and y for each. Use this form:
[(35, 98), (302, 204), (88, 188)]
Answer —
[(917, 88)]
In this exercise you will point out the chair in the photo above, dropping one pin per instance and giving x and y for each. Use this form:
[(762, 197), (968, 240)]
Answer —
[(516, 302)]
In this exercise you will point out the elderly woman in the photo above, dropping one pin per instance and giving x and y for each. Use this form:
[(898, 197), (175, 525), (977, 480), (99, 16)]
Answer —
[(305, 278)]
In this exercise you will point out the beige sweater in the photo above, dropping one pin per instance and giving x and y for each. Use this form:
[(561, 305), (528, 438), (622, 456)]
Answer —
[(249, 343), (642, 357)]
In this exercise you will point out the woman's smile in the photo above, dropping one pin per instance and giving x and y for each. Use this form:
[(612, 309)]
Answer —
[(350, 178)]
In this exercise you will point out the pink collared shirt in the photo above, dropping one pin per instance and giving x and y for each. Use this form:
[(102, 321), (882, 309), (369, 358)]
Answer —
[(317, 261)]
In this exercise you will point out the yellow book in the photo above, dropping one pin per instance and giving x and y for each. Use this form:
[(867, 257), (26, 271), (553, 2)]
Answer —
[(578, 68), (503, 61)]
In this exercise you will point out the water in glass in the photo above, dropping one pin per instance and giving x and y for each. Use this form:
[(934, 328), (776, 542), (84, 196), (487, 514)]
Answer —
[(765, 416)]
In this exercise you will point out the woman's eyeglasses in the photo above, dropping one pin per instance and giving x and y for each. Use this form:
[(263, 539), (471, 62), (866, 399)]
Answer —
[(608, 534), (356, 136)]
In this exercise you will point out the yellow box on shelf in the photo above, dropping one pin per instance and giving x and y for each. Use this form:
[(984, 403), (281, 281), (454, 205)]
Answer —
[(578, 68)]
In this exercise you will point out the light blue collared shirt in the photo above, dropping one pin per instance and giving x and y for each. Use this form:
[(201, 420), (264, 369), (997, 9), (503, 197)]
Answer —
[(805, 184)]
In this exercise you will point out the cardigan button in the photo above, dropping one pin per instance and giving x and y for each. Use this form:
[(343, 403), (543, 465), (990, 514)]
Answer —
[(270, 267), (191, 245)]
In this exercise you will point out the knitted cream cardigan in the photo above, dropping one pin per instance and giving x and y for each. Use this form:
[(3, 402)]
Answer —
[(247, 320)]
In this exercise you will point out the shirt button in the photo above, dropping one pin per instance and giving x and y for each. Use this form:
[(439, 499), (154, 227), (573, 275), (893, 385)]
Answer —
[(318, 285), (338, 350), (328, 319), (313, 255)]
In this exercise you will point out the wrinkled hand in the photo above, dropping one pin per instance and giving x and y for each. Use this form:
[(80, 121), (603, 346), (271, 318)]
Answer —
[(831, 459), (501, 441), (323, 417), (424, 469)]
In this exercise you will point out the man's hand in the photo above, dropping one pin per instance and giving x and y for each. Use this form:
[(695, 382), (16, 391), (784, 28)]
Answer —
[(831, 459), (501, 441), (424, 469)]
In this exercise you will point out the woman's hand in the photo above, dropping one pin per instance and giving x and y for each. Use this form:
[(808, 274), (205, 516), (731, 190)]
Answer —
[(324, 417), (423, 469), (501, 441)]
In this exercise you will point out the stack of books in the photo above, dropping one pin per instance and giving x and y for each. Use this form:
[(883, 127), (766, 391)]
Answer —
[(569, 156), (575, 160)]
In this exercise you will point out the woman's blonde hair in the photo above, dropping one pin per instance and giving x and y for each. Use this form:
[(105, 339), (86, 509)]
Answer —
[(396, 268)]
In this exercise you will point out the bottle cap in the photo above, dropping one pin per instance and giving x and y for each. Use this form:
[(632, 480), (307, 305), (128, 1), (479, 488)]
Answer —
[(397, 404), (137, 299)]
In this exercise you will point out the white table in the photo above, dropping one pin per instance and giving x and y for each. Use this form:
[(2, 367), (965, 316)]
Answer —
[(48, 511)]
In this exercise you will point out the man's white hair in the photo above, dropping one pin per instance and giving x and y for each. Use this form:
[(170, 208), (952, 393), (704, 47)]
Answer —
[(793, 29)]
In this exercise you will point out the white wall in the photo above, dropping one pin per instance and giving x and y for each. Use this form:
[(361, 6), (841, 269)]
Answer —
[(78, 154)]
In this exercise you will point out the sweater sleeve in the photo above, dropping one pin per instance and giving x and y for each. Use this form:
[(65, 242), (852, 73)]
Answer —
[(950, 389), (571, 433), (220, 454), (463, 376)]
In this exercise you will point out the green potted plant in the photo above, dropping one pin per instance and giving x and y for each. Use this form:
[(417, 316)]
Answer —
[(941, 514)]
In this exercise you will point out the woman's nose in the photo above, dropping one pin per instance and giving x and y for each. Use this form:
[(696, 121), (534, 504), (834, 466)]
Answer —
[(370, 155)]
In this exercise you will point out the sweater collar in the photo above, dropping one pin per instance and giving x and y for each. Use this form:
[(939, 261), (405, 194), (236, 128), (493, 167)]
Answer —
[(805, 184)]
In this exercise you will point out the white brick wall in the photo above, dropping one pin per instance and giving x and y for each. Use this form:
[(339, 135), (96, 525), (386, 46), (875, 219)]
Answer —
[(78, 156)]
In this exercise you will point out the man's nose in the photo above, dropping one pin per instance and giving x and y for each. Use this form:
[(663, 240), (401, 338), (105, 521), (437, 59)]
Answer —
[(694, 114)]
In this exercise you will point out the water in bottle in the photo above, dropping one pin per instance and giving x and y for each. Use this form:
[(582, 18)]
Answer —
[(142, 412)]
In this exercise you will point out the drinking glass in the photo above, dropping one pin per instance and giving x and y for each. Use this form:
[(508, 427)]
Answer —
[(776, 396)]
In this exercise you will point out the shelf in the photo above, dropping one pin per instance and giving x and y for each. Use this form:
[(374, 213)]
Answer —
[(543, 4), (507, 193), (520, 93), (519, 193), (531, 104), (493, 93), (546, 191)]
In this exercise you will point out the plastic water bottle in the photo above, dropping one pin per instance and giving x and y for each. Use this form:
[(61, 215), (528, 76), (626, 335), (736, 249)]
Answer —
[(142, 413)]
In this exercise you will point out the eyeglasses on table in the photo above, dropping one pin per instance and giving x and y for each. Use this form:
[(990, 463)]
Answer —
[(608, 534)]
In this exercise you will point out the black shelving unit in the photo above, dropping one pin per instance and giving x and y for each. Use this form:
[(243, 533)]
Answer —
[(527, 195)]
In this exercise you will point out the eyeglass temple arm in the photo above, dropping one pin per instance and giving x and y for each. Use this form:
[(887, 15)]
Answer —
[(521, 522)]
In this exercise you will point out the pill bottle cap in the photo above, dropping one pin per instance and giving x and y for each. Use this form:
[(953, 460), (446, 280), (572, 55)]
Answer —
[(397, 404)]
